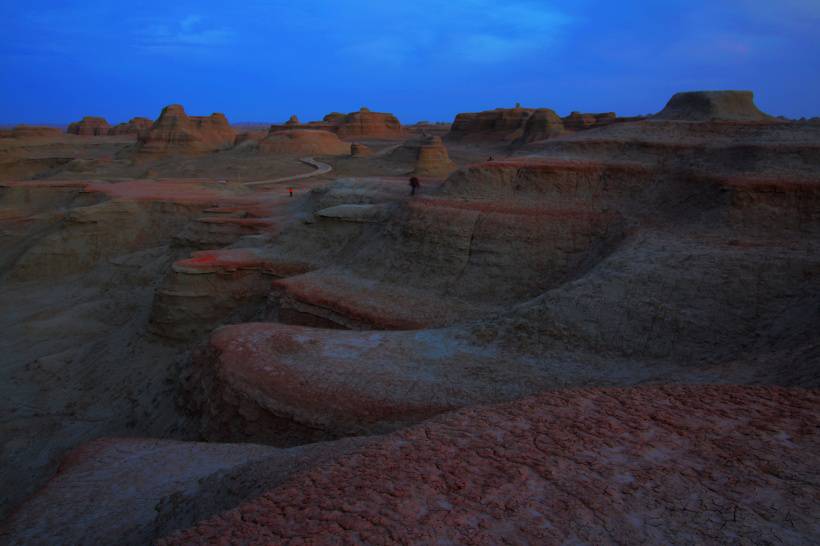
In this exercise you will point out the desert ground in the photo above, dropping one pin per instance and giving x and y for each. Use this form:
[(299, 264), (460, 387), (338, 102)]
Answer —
[(577, 329)]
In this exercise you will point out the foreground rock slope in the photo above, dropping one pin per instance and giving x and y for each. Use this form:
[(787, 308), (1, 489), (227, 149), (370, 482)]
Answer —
[(661, 465)]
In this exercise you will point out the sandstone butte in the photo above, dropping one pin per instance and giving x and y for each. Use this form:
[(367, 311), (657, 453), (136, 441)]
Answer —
[(134, 126), (523, 125), (89, 126), (176, 131), (428, 154), (302, 142), (712, 105), (363, 124)]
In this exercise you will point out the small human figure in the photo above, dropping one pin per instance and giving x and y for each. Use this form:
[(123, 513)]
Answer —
[(490, 158), (290, 190), (414, 185)]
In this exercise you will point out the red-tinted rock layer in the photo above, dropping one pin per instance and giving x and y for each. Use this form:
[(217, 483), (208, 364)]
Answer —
[(658, 465)]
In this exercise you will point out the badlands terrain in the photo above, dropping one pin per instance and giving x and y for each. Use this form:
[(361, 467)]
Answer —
[(581, 329)]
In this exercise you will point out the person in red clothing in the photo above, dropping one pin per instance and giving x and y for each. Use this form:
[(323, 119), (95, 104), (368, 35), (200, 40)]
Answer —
[(414, 185)]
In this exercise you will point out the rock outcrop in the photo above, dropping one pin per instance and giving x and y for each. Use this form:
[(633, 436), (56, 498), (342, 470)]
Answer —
[(429, 156), (542, 124), (175, 131), (134, 126), (713, 106), (499, 125), (360, 150), (89, 126), (303, 142), (578, 121), (367, 124)]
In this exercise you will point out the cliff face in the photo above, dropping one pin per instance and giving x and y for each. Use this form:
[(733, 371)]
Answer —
[(175, 131)]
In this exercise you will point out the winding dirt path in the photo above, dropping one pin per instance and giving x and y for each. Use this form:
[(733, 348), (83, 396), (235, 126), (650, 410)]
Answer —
[(321, 168)]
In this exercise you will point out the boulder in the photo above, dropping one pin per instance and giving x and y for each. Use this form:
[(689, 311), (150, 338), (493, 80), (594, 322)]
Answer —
[(89, 126), (712, 105), (175, 131), (134, 126)]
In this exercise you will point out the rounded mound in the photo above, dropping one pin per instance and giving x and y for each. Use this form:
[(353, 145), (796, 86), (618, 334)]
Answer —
[(303, 142), (712, 105)]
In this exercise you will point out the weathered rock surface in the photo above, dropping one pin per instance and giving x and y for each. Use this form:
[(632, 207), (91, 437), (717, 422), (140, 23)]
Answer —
[(499, 125), (89, 126), (131, 491), (303, 142), (367, 124), (661, 464), (134, 126), (713, 105), (175, 131), (542, 124)]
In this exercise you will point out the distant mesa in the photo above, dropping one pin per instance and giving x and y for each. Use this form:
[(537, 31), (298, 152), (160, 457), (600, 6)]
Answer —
[(360, 150), (293, 120), (30, 131), (89, 126), (712, 105), (499, 125), (176, 131), (356, 125), (522, 125), (134, 126), (303, 142)]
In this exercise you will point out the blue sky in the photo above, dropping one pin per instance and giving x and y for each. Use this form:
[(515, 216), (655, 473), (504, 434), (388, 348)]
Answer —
[(258, 60)]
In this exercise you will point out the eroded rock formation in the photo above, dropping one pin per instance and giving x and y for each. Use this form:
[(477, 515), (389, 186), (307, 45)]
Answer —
[(303, 142), (134, 126), (175, 131), (713, 105), (89, 126)]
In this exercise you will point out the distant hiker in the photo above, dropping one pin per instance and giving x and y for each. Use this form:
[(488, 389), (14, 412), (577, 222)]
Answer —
[(490, 158), (290, 190), (414, 185)]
